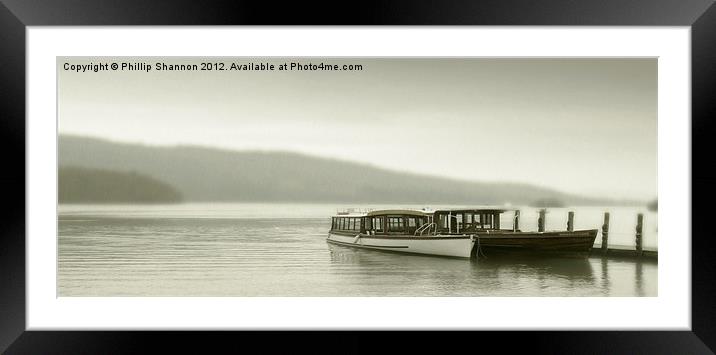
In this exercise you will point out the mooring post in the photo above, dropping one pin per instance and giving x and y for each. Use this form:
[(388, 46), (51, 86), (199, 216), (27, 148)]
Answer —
[(605, 233), (540, 221), (517, 221), (570, 221), (639, 226)]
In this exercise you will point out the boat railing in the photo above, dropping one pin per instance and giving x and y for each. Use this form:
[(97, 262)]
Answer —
[(348, 211), (426, 227)]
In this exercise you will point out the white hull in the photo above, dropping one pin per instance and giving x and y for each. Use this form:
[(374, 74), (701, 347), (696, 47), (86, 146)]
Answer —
[(441, 245)]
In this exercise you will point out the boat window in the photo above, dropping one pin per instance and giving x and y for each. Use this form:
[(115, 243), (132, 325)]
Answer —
[(343, 223), (333, 223), (487, 221), (472, 221), (395, 224), (378, 224), (352, 225), (411, 222)]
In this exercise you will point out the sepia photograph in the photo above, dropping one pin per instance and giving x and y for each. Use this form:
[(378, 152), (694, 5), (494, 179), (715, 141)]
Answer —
[(357, 177), (219, 174)]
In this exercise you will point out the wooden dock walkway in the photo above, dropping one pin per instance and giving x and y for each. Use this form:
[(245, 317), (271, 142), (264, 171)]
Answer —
[(624, 252), (604, 249)]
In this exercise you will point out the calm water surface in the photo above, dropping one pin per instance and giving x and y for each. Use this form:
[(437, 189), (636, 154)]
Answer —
[(280, 250)]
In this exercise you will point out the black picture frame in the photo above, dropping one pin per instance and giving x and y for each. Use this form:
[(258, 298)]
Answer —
[(16, 15)]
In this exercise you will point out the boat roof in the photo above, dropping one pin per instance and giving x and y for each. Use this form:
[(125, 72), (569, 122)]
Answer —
[(403, 212), (480, 209), (350, 214), (411, 212), (408, 212)]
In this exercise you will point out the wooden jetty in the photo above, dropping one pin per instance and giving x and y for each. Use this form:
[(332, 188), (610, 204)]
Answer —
[(638, 251), (604, 249)]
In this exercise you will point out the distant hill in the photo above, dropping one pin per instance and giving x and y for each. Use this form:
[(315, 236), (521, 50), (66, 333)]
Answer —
[(208, 174), (82, 185)]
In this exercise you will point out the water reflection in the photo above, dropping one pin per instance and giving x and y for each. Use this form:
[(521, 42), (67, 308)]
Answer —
[(605, 275), (502, 275), (577, 269), (638, 282)]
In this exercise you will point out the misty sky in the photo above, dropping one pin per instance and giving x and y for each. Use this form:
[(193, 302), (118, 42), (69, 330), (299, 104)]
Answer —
[(585, 126)]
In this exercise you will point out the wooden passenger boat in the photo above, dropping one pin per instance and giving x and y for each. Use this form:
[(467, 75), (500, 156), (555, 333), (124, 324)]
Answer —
[(463, 233)]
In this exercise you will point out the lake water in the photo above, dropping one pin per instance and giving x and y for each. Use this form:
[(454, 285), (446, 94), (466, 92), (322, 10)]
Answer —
[(280, 250)]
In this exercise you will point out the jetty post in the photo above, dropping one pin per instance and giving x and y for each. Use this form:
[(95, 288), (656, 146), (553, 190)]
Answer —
[(570, 221), (605, 233), (516, 226), (540, 221), (638, 239)]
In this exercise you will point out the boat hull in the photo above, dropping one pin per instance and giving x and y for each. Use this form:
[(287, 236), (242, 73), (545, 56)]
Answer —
[(452, 246), (576, 243)]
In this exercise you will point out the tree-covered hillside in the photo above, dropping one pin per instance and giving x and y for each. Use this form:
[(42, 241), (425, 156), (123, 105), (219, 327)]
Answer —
[(83, 185)]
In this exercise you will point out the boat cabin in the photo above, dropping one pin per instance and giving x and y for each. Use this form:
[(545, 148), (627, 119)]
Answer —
[(381, 222), (415, 222), (465, 221)]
